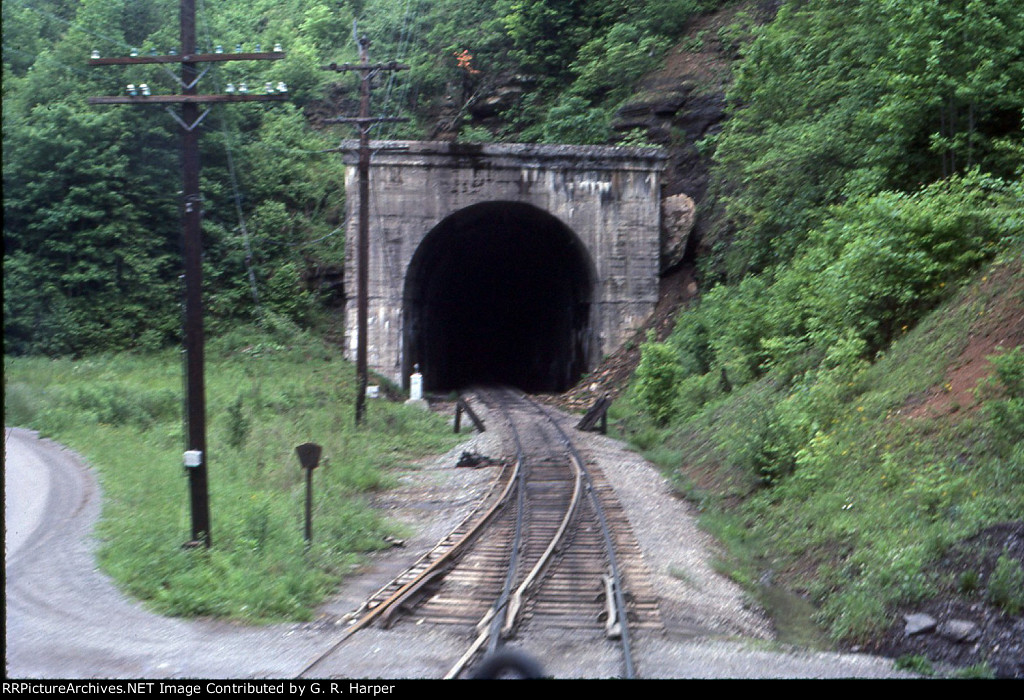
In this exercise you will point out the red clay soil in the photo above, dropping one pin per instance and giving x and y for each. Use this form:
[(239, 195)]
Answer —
[(998, 637), (999, 327)]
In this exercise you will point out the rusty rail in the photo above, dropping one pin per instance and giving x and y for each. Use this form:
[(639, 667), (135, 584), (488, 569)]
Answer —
[(558, 599), (615, 573), (431, 572)]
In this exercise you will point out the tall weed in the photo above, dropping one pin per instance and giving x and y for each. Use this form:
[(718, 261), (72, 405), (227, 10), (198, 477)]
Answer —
[(266, 393)]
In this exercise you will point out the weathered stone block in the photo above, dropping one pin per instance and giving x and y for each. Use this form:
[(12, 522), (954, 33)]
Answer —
[(599, 207)]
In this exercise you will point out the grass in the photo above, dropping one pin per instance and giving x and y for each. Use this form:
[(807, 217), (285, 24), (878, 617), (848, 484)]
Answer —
[(1006, 586), (266, 394), (827, 483)]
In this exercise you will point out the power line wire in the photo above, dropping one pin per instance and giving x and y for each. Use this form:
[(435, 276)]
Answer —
[(236, 190), (43, 57), (119, 43), (405, 41)]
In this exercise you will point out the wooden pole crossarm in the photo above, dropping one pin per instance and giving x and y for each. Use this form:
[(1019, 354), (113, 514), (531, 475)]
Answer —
[(188, 58), (355, 149), (184, 99), (195, 458), (365, 67), (364, 120)]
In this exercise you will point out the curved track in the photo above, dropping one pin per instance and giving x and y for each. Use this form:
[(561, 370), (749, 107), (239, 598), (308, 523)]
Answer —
[(549, 548)]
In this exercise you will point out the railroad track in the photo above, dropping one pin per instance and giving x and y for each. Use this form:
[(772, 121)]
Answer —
[(548, 548)]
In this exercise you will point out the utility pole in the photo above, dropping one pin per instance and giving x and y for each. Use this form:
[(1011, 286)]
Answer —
[(364, 121), (190, 119)]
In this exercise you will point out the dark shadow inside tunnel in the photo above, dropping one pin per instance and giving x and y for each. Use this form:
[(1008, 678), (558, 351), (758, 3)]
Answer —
[(498, 293)]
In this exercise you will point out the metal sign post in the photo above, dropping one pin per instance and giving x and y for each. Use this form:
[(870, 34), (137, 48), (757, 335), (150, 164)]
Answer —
[(309, 458)]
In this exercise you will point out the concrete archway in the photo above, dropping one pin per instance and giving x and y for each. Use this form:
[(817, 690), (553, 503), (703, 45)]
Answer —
[(499, 292), (602, 202)]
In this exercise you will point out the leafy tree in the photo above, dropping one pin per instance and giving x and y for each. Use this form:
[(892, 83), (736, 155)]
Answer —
[(545, 34), (834, 100), (669, 17), (955, 79), (574, 120), (608, 65), (873, 268), (657, 376), (898, 255), (90, 192), (84, 209)]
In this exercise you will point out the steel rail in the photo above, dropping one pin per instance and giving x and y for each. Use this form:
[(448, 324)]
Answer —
[(517, 540), (516, 601), (487, 628), (491, 627), (620, 600), (428, 575)]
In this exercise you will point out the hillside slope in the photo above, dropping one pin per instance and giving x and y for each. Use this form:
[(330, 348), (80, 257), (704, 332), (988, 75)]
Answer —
[(909, 497), (968, 570), (845, 399)]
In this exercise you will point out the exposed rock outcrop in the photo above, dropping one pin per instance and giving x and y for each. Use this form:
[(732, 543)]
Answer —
[(678, 214)]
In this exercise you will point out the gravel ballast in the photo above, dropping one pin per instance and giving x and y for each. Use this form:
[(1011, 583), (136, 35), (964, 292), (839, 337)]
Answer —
[(713, 628)]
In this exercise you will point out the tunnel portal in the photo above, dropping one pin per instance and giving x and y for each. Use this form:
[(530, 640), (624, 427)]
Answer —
[(499, 292), (520, 263)]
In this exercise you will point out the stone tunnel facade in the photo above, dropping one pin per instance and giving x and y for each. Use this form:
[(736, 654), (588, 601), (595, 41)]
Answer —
[(504, 263)]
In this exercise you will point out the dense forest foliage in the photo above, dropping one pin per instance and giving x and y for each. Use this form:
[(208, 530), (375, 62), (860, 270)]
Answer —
[(869, 169), (91, 220), (836, 102), (873, 159), (869, 173), (832, 106)]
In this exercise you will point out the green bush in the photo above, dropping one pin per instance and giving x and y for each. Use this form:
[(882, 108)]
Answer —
[(691, 340), (740, 322), (1010, 370), (829, 107), (898, 255), (656, 379), (118, 405), (933, 489), (695, 392), (575, 120), (607, 66), (968, 582), (752, 439), (21, 406), (916, 663), (1005, 414)]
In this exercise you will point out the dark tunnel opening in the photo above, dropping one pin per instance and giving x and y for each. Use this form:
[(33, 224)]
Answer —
[(498, 293)]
